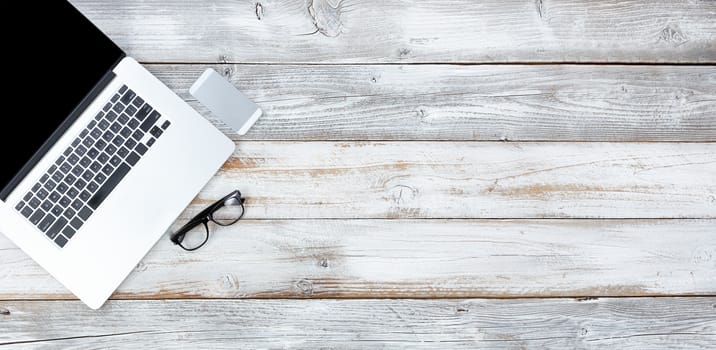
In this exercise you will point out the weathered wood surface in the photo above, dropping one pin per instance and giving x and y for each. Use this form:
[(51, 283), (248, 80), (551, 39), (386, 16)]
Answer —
[(470, 180), (634, 323), (438, 102), (378, 31), (413, 259)]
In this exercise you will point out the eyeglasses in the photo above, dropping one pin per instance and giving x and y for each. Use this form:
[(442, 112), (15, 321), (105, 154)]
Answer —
[(225, 212)]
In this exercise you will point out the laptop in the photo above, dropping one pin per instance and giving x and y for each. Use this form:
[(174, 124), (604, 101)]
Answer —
[(101, 158)]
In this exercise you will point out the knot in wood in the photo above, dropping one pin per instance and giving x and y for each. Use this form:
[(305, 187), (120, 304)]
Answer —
[(305, 286)]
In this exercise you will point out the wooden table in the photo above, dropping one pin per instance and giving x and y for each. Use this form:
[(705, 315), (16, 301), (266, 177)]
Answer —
[(427, 174)]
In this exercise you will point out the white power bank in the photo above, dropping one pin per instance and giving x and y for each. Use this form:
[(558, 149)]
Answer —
[(225, 101)]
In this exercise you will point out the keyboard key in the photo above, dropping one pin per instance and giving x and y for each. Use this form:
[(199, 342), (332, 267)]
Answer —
[(75, 142), (65, 201), (76, 223), (85, 195), (123, 152), (73, 192), (138, 102), (57, 210), (132, 158), (141, 149), (128, 97), (81, 150), (123, 118), (73, 159), (100, 145), (88, 142), (107, 170), (44, 178), (115, 127), (111, 149), (166, 124), (46, 205), (133, 124), (149, 122), (143, 112), (68, 231), (118, 141), (110, 117), (50, 185), (34, 203), (103, 158), (62, 188), (69, 213), (100, 178), (42, 194), (57, 177), (55, 229), (115, 161), (77, 204), (130, 143), (130, 110), (67, 152), (26, 212), (103, 125), (117, 108), (36, 187), (83, 134), (87, 175), (93, 153), (156, 131), (85, 213), (122, 89), (70, 179), (19, 206), (107, 188), (91, 125), (77, 170), (80, 184), (95, 167), (107, 106), (108, 135), (137, 135), (92, 186), (126, 132), (61, 241), (54, 197), (52, 169), (27, 197), (65, 168), (60, 160), (46, 222), (35, 218), (85, 161), (114, 98), (150, 142)]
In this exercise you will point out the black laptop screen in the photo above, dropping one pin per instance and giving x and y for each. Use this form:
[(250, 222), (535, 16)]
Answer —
[(54, 57)]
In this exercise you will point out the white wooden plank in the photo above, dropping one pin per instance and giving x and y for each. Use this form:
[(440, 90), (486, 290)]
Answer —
[(414, 259), (372, 31), (641, 323), (437, 102), (470, 180)]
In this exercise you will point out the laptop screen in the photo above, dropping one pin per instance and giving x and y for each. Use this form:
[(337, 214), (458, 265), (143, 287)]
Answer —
[(53, 59)]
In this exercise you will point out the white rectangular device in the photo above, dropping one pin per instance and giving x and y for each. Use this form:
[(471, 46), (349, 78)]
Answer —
[(225, 101), (110, 159)]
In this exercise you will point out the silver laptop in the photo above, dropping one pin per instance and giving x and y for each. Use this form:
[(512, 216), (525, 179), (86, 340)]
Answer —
[(101, 159)]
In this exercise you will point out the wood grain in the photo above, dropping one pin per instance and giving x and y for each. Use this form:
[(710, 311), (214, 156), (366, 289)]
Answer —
[(485, 103), (412, 259), (469, 180), (641, 323), (380, 31)]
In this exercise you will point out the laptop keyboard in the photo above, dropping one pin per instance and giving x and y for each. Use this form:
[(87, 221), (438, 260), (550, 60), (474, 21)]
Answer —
[(99, 158)]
